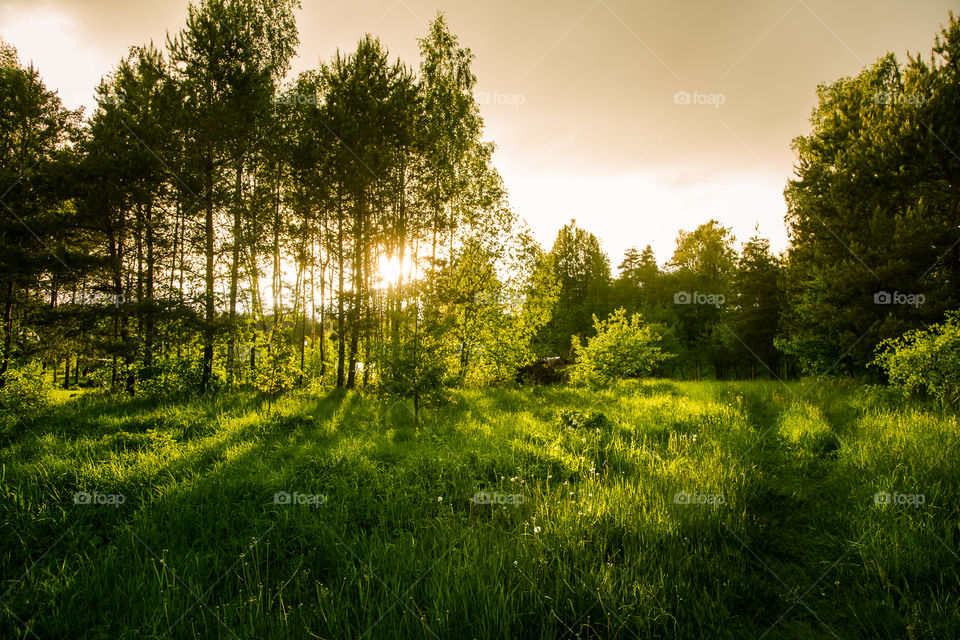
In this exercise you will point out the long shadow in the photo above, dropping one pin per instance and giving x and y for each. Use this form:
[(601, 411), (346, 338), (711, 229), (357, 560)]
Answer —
[(79, 417)]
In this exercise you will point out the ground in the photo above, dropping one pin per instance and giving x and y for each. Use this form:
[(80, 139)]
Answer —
[(655, 509)]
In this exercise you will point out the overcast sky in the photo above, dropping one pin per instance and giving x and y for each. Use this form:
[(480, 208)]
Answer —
[(635, 118)]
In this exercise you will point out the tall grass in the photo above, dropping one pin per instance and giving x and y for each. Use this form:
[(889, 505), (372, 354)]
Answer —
[(658, 509)]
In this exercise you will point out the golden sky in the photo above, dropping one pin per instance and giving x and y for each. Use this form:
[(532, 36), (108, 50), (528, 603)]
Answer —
[(635, 118)]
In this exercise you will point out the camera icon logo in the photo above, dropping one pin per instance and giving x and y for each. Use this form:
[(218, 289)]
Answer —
[(682, 297), (882, 297), (681, 97), (281, 497)]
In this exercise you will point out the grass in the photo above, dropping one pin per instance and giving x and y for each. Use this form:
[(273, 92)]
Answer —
[(657, 510)]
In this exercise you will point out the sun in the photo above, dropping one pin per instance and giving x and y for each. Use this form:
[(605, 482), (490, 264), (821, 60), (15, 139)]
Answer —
[(388, 271)]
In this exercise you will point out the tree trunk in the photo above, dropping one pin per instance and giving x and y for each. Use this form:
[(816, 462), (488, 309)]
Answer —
[(149, 324), (416, 411), (208, 329), (277, 288), (323, 315), (7, 332), (234, 272), (355, 312), (341, 342)]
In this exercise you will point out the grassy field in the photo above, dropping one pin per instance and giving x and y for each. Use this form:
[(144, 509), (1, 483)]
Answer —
[(652, 510)]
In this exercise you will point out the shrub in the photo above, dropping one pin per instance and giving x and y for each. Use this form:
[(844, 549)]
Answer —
[(622, 348), (280, 367), (23, 395), (925, 361), (413, 366)]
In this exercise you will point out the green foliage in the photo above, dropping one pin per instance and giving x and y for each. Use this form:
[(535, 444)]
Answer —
[(756, 304), (280, 370), (638, 285), (414, 364), (872, 209), (582, 270), (622, 348), (701, 272), (172, 376), (925, 361), (493, 322), (23, 394)]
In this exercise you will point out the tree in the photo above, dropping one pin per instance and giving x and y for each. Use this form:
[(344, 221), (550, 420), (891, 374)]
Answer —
[(872, 210), (197, 175), (227, 59), (35, 130), (701, 270), (493, 321), (583, 272), (637, 285), (415, 367), (451, 128), (755, 307)]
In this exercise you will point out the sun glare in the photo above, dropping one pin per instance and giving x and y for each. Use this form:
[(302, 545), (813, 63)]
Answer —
[(388, 271)]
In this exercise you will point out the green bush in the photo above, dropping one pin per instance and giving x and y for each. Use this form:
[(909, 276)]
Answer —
[(280, 367), (622, 348), (925, 361), (23, 395)]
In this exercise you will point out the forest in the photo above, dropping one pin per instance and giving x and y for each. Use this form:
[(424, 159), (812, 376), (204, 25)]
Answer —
[(215, 224), (224, 267)]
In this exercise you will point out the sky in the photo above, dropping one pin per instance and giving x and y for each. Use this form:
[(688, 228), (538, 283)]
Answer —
[(637, 119)]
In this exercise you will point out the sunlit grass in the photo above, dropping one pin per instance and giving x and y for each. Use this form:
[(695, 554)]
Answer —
[(681, 511)]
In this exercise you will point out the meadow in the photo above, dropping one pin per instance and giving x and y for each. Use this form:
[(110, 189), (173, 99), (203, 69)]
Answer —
[(654, 509)]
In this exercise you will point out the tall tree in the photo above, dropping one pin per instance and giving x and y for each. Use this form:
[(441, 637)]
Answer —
[(582, 270), (701, 270), (872, 210), (227, 60), (755, 306), (35, 130)]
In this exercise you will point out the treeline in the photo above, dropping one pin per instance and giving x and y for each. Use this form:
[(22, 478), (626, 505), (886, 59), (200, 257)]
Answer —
[(874, 242), (209, 224), (715, 306), (215, 222)]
